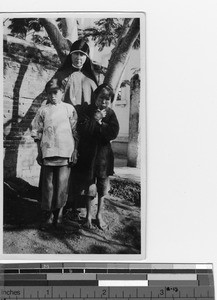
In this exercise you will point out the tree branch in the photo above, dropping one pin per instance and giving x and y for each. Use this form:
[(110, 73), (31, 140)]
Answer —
[(60, 43), (70, 29), (125, 28), (121, 54)]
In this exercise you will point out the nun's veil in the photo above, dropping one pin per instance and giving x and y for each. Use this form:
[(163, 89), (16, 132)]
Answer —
[(87, 69)]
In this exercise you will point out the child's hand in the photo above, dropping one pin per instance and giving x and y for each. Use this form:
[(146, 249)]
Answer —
[(103, 112), (39, 157), (74, 158), (99, 115)]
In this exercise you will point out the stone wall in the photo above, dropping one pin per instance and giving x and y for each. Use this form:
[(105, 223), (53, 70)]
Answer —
[(27, 68)]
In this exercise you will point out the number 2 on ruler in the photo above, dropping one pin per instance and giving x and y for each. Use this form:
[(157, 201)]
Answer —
[(104, 293)]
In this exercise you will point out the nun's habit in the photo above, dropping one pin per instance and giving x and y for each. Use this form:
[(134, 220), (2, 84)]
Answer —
[(79, 83)]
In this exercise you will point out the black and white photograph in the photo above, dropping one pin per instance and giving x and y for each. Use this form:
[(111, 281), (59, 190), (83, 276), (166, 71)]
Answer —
[(74, 133)]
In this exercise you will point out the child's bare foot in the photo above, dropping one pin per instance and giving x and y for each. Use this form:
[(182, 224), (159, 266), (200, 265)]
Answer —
[(88, 224), (47, 220), (58, 217), (100, 223)]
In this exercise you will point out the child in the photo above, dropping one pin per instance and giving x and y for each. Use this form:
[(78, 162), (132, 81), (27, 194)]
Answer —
[(54, 130), (97, 126)]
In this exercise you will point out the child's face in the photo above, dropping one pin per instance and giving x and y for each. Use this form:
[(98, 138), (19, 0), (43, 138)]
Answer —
[(103, 100), (55, 96), (78, 59)]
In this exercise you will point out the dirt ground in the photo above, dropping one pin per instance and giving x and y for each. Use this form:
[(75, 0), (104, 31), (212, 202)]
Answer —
[(22, 217)]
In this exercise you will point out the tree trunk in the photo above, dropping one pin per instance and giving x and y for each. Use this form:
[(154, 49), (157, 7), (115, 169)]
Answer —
[(120, 78), (124, 31), (60, 43), (125, 28), (120, 56), (69, 29)]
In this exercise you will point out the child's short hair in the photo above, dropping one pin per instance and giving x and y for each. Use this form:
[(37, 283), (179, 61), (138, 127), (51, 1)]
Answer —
[(106, 87), (53, 84)]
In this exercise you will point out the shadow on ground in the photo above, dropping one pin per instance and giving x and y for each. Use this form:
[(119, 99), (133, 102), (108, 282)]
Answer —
[(22, 233), (21, 206)]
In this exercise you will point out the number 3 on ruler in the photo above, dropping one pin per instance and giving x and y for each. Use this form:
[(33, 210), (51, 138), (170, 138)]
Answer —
[(161, 292)]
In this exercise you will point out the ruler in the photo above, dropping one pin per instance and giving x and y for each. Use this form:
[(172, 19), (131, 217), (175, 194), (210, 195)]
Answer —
[(130, 281)]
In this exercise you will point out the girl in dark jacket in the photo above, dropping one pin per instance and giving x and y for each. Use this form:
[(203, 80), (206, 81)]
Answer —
[(97, 126)]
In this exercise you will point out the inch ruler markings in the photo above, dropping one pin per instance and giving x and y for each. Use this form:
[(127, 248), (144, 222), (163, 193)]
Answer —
[(106, 280)]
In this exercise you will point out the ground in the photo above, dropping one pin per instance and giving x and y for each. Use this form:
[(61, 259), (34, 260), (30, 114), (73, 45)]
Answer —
[(22, 214)]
